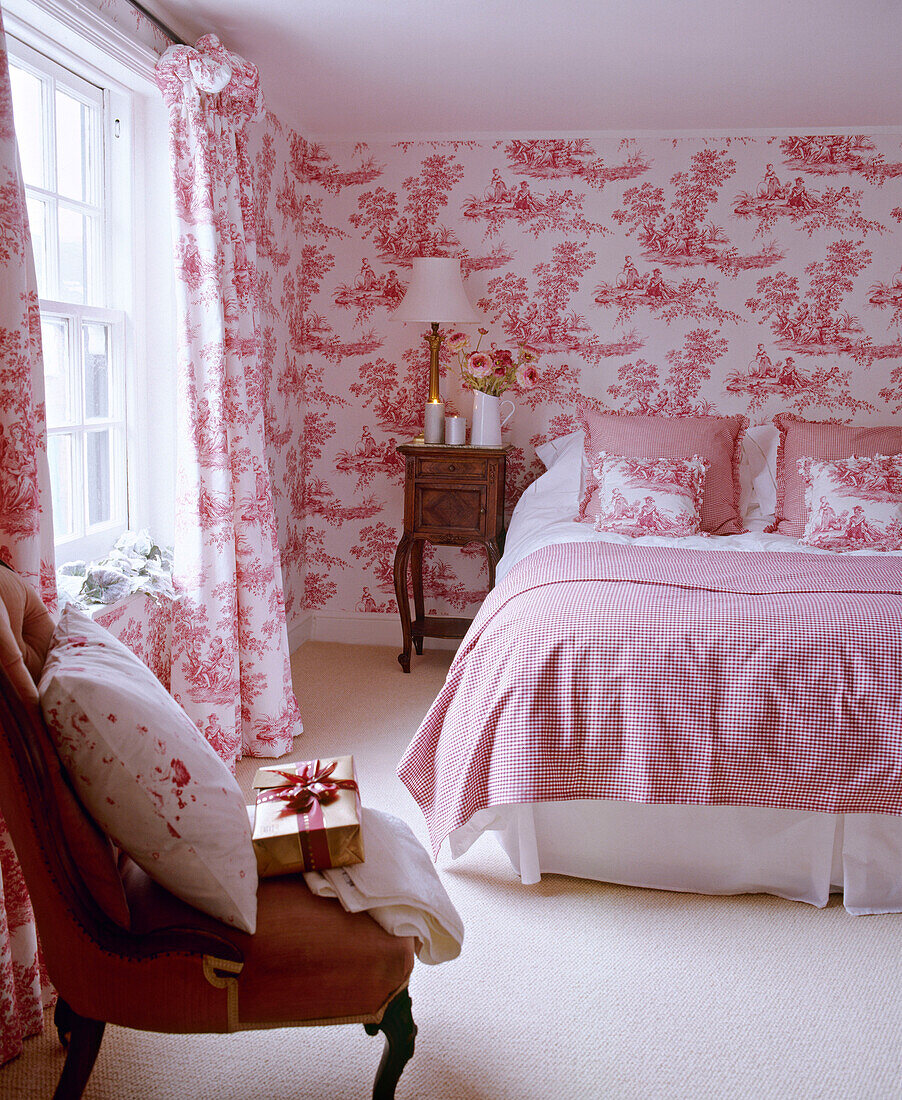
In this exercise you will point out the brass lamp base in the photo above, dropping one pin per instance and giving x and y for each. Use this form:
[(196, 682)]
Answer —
[(435, 342)]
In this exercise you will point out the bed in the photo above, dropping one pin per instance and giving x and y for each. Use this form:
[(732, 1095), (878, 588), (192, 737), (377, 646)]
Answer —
[(717, 715)]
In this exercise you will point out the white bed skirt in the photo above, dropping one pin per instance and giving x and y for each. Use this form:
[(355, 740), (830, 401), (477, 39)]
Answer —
[(703, 849)]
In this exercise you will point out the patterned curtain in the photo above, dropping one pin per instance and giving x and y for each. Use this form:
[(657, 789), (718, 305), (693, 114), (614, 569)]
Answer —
[(26, 537), (230, 667)]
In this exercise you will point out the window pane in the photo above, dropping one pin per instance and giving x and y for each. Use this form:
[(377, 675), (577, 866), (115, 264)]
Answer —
[(59, 384), (73, 259), (37, 224), (98, 484), (77, 153), (59, 453), (28, 108), (96, 346)]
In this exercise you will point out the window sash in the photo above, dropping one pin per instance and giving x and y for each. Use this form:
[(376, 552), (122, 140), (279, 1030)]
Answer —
[(73, 430)]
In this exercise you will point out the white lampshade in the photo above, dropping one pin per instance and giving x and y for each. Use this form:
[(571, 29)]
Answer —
[(436, 293)]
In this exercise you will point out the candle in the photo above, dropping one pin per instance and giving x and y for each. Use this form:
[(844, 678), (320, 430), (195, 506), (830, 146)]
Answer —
[(434, 422), (455, 430)]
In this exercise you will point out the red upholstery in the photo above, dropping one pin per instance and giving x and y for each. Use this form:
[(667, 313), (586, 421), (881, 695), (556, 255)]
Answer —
[(308, 960), (172, 969), (25, 632)]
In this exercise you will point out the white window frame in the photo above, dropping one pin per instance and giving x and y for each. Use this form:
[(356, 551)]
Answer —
[(85, 539), (140, 281)]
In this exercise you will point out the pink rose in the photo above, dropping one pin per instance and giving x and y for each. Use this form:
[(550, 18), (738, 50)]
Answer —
[(527, 376), (479, 364), (457, 341)]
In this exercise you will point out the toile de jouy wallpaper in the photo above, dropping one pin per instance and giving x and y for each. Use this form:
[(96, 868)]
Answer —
[(748, 274)]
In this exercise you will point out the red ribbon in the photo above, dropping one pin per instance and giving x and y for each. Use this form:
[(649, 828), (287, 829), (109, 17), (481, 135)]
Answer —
[(312, 784)]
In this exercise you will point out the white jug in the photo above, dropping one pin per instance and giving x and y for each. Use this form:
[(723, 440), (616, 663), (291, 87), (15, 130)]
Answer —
[(485, 430)]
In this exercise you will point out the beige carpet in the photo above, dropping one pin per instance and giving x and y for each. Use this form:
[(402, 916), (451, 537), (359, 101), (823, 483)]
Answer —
[(564, 991)]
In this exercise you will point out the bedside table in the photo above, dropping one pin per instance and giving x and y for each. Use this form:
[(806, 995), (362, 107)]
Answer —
[(452, 496)]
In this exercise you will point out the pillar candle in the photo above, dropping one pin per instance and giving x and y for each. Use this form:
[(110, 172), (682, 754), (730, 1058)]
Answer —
[(434, 422), (455, 430)]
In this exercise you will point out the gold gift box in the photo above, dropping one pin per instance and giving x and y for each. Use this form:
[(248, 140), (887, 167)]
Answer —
[(328, 834)]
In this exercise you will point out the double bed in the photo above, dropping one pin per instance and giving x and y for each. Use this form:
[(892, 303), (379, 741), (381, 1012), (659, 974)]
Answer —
[(708, 714)]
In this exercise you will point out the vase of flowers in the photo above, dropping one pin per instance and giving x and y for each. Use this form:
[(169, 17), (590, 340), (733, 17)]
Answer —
[(489, 374)]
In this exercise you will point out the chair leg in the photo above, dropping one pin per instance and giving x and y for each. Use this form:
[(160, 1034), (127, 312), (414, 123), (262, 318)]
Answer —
[(62, 1018), (82, 1043), (400, 1033)]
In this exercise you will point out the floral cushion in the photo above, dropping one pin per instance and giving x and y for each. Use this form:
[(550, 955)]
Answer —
[(145, 774), (854, 503), (650, 496)]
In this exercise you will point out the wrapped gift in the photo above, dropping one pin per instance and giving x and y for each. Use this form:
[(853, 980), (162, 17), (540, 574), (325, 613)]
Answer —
[(307, 817)]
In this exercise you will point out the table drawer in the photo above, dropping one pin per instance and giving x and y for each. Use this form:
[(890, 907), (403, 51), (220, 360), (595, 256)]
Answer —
[(452, 467), (450, 513)]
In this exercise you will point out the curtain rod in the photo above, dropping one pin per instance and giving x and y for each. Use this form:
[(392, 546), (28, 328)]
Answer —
[(158, 23)]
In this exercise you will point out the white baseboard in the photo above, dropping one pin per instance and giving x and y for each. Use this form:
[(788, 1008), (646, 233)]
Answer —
[(300, 631), (356, 628)]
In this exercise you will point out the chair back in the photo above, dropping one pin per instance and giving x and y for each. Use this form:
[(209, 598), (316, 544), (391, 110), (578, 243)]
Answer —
[(68, 863)]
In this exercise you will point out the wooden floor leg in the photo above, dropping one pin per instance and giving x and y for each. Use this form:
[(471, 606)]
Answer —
[(400, 1033), (84, 1038)]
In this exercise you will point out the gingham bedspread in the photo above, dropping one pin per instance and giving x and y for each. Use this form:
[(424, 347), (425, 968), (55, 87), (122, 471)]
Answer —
[(661, 675)]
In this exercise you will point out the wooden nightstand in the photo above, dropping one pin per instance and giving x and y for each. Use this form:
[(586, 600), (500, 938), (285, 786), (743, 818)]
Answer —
[(452, 496)]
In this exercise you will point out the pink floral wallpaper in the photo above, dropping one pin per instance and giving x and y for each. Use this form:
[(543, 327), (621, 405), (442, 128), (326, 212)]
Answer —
[(745, 274)]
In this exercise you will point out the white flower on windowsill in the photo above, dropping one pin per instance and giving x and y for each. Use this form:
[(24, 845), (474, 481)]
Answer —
[(135, 564)]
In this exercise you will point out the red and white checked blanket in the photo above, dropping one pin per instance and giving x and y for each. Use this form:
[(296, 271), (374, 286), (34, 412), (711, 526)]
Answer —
[(661, 675)]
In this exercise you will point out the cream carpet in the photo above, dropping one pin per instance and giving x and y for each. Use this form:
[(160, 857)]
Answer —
[(568, 990)]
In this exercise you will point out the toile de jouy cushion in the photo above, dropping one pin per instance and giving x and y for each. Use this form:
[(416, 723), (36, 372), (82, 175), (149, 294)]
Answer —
[(145, 774), (853, 504), (650, 496)]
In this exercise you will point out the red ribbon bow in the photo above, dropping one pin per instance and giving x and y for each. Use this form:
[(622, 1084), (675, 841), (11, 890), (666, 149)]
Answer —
[(311, 784)]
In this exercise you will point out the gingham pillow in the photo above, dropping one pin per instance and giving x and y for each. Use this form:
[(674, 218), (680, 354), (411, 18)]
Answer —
[(828, 442), (718, 439), (650, 496), (853, 504)]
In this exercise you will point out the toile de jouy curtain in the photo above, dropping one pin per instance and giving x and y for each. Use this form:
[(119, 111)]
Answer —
[(230, 667), (26, 538)]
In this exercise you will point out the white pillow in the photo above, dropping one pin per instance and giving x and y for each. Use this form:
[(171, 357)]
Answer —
[(564, 459), (549, 453), (758, 470), (145, 774)]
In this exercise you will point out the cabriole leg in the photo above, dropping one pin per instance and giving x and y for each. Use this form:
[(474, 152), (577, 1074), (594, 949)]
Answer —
[(400, 1033), (84, 1038)]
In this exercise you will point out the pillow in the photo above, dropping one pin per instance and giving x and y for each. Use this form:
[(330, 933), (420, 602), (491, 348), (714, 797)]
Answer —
[(715, 438), (650, 496), (758, 470), (853, 504), (563, 460), (827, 442), (145, 774), (560, 449)]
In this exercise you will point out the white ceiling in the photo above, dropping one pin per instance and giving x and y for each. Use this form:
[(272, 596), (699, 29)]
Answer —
[(359, 68)]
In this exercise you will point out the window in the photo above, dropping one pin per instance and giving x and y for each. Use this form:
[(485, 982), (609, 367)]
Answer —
[(92, 131), (63, 129)]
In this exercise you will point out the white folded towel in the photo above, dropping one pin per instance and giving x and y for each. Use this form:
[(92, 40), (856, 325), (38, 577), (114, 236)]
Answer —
[(398, 886)]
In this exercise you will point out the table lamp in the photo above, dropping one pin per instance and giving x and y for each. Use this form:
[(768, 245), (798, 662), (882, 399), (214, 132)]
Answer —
[(434, 295)]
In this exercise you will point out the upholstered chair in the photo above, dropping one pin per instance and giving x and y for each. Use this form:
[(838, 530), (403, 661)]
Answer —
[(120, 949)]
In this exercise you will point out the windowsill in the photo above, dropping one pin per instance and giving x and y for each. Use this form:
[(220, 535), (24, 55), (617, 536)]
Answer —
[(135, 562), (97, 610)]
